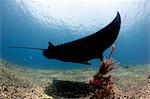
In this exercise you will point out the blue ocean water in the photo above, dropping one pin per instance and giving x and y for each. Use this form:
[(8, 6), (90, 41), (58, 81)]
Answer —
[(33, 23)]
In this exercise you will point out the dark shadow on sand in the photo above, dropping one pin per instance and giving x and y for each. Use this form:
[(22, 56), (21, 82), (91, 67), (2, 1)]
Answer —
[(68, 89)]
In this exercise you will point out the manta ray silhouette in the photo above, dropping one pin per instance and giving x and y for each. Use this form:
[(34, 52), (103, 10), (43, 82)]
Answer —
[(84, 49)]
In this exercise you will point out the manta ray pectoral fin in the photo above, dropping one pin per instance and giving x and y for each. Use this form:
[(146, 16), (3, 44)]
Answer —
[(50, 45), (85, 62)]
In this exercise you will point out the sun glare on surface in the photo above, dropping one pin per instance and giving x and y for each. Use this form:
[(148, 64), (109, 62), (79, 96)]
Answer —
[(81, 14)]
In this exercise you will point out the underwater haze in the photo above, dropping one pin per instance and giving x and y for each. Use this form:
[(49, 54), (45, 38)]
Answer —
[(33, 23)]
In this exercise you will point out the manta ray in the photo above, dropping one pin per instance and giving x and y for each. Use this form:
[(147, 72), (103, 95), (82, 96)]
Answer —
[(84, 49)]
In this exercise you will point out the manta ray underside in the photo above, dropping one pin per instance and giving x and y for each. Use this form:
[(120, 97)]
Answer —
[(84, 49)]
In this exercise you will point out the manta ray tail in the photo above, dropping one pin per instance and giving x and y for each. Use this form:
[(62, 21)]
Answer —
[(27, 48), (50, 45)]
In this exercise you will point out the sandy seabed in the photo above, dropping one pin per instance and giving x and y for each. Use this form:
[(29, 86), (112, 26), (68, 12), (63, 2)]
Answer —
[(17, 82)]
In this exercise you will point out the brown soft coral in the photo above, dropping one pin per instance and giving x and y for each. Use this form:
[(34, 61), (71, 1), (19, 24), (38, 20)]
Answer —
[(101, 81)]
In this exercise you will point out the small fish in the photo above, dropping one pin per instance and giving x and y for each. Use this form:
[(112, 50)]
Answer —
[(84, 49)]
